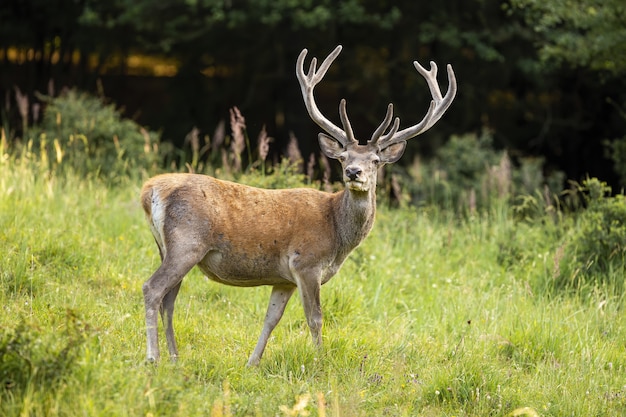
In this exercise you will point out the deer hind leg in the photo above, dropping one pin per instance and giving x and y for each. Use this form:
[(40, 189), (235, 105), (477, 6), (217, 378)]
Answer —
[(275, 309), (167, 315), (160, 292)]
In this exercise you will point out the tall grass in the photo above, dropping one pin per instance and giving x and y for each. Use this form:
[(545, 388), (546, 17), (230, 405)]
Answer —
[(434, 315), (489, 306)]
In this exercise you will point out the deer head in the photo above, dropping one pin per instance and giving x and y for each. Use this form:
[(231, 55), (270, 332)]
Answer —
[(360, 163)]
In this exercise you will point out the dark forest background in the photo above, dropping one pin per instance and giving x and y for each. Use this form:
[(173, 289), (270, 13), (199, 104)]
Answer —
[(545, 78)]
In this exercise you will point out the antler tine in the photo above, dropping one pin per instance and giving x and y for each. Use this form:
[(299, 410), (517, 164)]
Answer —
[(308, 83), (392, 131), (433, 85), (347, 127), (437, 108), (313, 65), (384, 125)]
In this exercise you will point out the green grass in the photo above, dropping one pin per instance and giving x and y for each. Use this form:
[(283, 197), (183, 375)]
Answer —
[(431, 316)]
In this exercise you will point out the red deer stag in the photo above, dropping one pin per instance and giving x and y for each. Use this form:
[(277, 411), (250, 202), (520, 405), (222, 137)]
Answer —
[(287, 239)]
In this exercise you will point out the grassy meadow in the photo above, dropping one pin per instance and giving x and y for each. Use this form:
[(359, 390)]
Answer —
[(468, 298), (434, 315)]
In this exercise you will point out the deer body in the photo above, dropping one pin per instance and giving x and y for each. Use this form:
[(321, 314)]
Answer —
[(247, 236), (287, 239)]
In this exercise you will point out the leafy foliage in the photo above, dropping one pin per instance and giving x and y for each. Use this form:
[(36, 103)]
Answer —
[(595, 252), (467, 158), (282, 175), (584, 33), (31, 357), (196, 19), (80, 132), (457, 176), (469, 174)]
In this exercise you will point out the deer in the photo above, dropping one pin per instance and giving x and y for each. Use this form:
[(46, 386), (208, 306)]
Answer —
[(288, 239)]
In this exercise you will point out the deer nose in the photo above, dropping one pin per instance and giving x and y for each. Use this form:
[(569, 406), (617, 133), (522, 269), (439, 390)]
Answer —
[(353, 172)]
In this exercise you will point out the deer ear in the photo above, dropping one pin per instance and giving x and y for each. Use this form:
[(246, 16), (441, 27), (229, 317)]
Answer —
[(392, 153), (330, 147)]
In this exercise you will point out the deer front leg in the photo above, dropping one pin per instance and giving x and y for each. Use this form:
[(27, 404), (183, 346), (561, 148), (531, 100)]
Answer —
[(310, 296), (275, 309)]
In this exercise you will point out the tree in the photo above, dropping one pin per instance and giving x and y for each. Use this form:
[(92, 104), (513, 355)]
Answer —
[(538, 73), (580, 33), (581, 45)]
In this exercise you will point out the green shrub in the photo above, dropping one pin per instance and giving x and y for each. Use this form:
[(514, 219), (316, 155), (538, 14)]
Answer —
[(282, 175), (461, 174), (81, 132), (530, 178), (595, 252), (29, 357), (466, 159), (470, 174)]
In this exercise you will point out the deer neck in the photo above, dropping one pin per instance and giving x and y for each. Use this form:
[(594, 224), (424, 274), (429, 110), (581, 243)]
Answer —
[(355, 215)]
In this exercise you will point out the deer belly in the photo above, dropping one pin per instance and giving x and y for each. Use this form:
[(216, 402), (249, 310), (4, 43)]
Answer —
[(242, 270)]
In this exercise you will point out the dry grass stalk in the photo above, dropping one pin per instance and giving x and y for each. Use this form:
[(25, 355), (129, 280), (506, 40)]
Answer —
[(547, 196), (293, 152), (193, 139), (22, 107), (558, 256), (146, 140), (396, 188), (218, 136), (472, 201), (4, 145), (550, 203), (58, 151), (36, 110), (22, 102), (207, 145), (238, 143), (498, 179), (325, 165), (503, 176), (263, 143), (310, 167), (415, 169)]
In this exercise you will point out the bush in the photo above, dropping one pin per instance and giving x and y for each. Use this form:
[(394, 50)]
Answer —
[(468, 174), (29, 357), (461, 174), (595, 252), (83, 133), (282, 175)]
